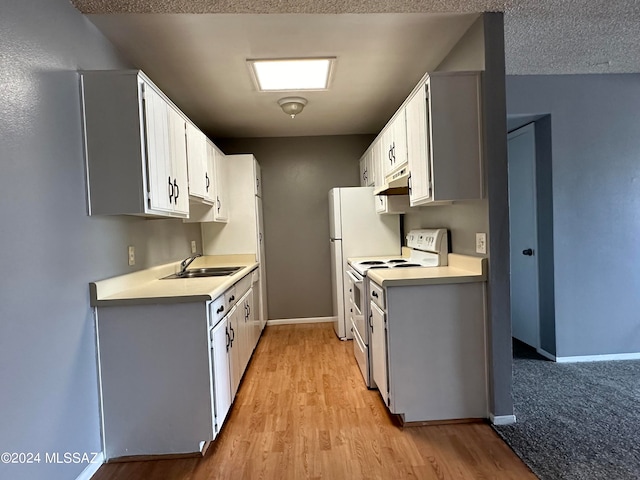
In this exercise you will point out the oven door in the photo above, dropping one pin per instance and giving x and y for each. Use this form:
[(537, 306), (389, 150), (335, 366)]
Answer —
[(356, 293)]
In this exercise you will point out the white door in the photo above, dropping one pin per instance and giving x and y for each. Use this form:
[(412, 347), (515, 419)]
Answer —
[(525, 316), (378, 346), (220, 343)]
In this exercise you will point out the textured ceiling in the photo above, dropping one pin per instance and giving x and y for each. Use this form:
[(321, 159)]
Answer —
[(196, 51), (541, 36)]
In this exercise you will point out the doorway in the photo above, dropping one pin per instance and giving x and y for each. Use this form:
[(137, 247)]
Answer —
[(531, 233)]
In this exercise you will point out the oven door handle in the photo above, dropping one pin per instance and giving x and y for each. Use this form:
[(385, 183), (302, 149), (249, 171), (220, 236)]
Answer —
[(353, 277)]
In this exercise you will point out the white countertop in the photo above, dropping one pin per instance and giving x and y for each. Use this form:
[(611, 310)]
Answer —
[(461, 269), (149, 286)]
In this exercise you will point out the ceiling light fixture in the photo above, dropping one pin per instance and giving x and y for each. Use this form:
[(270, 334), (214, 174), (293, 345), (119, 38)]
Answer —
[(291, 74), (292, 105)]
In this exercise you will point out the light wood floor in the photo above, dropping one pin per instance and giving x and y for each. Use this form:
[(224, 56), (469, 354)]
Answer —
[(303, 412)]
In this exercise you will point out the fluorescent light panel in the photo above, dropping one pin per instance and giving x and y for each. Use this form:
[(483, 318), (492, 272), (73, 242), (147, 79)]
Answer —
[(292, 74)]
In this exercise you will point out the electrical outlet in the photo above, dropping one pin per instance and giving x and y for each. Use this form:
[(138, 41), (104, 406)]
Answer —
[(193, 246), (481, 243), (132, 255)]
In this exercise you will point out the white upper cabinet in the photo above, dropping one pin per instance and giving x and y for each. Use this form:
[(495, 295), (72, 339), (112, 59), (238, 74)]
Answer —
[(444, 127), (367, 169), (417, 147), (258, 180), (221, 210), (363, 170), (214, 205), (134, 146), (199, 174), (394, 141)]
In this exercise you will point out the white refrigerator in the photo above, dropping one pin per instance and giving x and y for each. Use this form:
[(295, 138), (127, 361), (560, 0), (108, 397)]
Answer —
[(356, 230)]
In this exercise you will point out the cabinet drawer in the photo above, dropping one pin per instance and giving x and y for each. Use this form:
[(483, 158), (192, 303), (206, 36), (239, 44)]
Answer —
[(230, 298), (243, 285), (377, 295), (217, 310)]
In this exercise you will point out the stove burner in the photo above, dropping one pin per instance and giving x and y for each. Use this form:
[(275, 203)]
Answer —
[(371, 262), (407, 265), (397, 260), (379, 266)]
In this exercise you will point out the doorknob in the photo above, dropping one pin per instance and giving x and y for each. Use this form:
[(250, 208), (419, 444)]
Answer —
[(528, 252)]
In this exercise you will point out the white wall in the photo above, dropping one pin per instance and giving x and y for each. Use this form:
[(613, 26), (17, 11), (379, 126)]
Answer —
[(49, 248)]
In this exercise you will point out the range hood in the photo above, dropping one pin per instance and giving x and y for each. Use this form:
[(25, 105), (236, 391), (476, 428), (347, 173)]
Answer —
[(395, 184)]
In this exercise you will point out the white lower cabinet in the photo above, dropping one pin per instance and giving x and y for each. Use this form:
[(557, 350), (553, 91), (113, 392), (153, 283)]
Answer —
[(220, 373), (235, 349), (169, 373), (428, 350), (378, 326)]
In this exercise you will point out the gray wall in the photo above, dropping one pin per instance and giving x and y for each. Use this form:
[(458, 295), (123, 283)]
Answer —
[(596, 204), (297, 174), (49, 248)]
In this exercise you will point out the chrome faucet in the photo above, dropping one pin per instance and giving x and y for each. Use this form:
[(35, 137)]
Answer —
[(187, 261)]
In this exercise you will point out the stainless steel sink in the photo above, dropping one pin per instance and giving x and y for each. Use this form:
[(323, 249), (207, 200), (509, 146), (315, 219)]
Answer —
[(205, 272)]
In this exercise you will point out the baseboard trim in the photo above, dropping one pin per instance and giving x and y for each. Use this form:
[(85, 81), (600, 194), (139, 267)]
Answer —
[(546, 354), (502, 419), (599, 358), (92, 468), (293, 321)]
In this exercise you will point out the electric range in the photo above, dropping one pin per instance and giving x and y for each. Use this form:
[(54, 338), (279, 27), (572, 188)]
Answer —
[(425, 248)]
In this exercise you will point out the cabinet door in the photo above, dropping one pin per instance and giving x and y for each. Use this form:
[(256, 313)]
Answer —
[(363, 171), (387, 152), (381, 203), (418, 148), (244, 333), (220, 205), (377, 324), (377, 152), (220, 345), (371, 169), (399, 140), (258, 178), (197, 161), (234, 350), (159, 181), (209, 191), (178, 156)]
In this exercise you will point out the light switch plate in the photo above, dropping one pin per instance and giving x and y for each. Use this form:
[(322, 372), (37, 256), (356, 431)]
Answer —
[(132, 255), (481, 243), (193, 246)]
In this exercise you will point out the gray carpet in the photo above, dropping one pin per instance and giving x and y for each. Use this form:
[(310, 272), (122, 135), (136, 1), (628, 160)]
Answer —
[(577, 421)]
